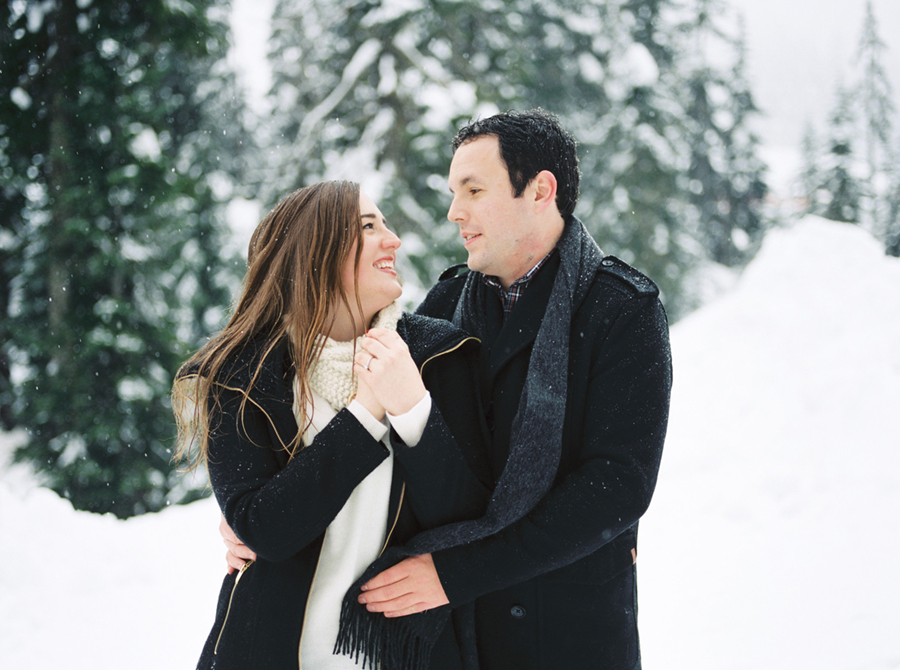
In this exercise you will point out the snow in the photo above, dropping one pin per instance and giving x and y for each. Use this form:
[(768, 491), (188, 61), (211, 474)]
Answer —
[(86, 591), (773, 538), (771, 542)]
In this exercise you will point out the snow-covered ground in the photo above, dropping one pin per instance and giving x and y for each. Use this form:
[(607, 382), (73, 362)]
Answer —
[(774, 536), (771, 544)]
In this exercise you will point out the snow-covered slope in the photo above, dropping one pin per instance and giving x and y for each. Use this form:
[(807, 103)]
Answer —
[(774, 536), (772, 541), (90, 592)]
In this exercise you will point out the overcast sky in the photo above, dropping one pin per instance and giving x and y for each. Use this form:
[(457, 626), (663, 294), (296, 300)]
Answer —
[(798, 51)]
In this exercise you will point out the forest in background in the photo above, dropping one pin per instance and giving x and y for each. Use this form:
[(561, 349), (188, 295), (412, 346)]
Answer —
[(123, 137)]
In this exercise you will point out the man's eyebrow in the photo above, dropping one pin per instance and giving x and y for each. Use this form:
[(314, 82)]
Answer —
[(462, 182)]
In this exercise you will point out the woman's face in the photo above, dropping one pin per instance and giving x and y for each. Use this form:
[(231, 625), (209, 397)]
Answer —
[(379, 285)]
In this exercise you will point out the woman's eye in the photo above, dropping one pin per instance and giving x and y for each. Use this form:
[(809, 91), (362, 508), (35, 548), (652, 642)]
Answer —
[(368, 226)]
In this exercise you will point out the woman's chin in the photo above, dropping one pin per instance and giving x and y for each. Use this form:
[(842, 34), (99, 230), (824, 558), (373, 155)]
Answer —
[(388, 302)]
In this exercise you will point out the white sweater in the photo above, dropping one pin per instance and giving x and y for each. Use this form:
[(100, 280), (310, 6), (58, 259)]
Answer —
[(356, 535)]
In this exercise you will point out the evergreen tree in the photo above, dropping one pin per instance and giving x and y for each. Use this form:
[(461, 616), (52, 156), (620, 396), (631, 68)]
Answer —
[(875, 99), (810, 177), (841, 183), (636, 159), (118, 144), (727, 186), (892, 217), (877, 111), (379, 88)]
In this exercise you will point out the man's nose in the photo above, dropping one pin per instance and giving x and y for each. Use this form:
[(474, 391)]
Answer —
[(455, 213)]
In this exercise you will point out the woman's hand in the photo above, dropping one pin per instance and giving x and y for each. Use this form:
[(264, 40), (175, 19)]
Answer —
[(384, 366), (366, 397)]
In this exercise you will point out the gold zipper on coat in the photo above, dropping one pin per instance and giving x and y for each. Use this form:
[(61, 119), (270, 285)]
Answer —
[(316, 574), (403, 488), (447, 351), (230, 599), (396, 519)]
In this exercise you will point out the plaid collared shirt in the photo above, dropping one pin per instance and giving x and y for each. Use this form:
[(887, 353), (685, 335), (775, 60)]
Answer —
[(509, 297)]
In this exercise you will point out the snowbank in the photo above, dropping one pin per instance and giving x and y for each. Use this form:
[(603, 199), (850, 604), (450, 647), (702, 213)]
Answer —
[(773, 538), (771, 542), (85, 591)]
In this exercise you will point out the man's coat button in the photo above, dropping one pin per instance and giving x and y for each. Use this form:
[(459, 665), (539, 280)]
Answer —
[(517, 611)]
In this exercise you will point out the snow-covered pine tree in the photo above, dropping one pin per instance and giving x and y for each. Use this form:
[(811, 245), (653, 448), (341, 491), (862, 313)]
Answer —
[(637, 156), (374, 92), (810, 180), (726, 173), (119, 142), (892, 207), (841, 180), (874, 98), (366, 91)]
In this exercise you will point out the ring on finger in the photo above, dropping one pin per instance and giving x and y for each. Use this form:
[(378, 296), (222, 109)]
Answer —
[(369, 362)]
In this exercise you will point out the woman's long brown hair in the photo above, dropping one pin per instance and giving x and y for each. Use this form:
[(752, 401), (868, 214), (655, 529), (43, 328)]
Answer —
[(294, 268)]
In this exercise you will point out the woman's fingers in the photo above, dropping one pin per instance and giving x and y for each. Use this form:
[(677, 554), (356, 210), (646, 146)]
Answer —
[(364, 360), (233, 562), (384, 363), (399, 607), (376, 346), (381, 345), (386, 337)]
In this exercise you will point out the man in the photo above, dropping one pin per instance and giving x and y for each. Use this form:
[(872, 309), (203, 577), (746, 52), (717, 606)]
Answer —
[(576, 374)]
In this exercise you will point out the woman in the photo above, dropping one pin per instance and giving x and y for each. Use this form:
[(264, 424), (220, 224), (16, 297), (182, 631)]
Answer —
[(323, 445)]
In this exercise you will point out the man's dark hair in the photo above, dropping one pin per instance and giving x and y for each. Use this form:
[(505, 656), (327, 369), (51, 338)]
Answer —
[(530, 142)]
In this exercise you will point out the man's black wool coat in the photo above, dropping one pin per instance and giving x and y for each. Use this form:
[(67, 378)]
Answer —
[(557, 588)]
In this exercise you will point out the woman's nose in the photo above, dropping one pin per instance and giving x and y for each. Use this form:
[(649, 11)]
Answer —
[(390, 240)]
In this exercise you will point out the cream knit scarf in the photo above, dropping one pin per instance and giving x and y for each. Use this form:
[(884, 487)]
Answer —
[(332, 374)]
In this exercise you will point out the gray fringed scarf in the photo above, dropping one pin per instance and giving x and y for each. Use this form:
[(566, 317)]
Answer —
[(405, 643)]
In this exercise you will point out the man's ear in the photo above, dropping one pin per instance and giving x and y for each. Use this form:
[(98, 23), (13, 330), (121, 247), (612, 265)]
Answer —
[(545, 187)]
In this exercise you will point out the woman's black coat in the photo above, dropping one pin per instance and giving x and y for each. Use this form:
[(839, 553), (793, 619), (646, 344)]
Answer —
[(281, 507), (557, 588)]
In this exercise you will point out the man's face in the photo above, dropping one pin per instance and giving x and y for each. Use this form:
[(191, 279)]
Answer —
[(496, 227)]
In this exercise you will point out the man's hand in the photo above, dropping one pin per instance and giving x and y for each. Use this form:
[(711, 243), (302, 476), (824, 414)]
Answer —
[(409, 587), (238, 553)]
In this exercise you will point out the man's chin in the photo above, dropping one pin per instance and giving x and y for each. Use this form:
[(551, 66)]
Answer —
[(474, 264)]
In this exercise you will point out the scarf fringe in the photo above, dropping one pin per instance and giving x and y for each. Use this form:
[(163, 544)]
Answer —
[(404, 643)]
